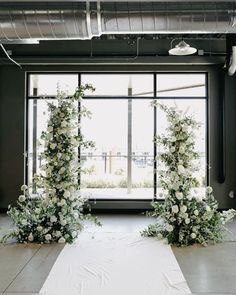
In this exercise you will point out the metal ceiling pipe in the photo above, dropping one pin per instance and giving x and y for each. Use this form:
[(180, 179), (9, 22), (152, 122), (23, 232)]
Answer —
[(88, 19)]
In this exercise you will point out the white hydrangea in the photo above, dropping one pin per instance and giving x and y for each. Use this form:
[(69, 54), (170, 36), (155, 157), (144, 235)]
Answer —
[(175, 209)]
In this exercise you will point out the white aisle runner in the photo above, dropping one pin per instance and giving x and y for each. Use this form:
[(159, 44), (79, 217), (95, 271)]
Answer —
[(116, 264)]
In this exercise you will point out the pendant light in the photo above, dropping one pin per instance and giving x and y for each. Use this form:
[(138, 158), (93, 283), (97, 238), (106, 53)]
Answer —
[(182, 48)]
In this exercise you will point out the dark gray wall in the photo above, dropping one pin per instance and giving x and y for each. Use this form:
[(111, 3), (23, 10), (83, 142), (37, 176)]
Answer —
[(217, 147), (11, 133), (12, 106)]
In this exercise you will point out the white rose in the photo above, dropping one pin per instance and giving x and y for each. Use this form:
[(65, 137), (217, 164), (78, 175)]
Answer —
[(21, 198), (183, 209), (187, 220), (173, 139), (57, 233), (54, 200), (63, 202), (181, 169), (179, 195), (208, 209), (159, 236), (194, 229), (169, 228), (185, 215), (189, 197), (175, 209), (52, 146), (63, 222), (48, 237), (72, 197), (37, 210), (193, 235), (74, 141), (209, 190), (53, 218), (30, 237), (61, 240), (63, 124), (50, 129), (66, 194), (24, 222), (24, 187), (39, 228), (172, 149), (196, 212), (75, 214), (181, 150), (62, 170)]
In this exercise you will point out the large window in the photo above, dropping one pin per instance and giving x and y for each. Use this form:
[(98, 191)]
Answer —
[(123, 164)]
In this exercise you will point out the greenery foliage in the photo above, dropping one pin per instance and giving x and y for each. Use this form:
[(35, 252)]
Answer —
[(186, 217), (57, 214)]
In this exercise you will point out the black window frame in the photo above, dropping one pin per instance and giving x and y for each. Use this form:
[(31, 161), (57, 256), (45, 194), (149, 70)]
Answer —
[(153, 97)]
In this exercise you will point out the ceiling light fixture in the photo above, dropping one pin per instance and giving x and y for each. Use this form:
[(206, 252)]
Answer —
[(182, 48)]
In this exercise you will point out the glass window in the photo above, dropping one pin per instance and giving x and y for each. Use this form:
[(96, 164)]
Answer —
[(122, 127), (181, 85), (47, 84), (120, 85)]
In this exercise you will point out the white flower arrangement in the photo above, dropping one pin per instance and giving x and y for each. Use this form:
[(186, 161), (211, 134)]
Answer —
[(186, 216), (57, 214)]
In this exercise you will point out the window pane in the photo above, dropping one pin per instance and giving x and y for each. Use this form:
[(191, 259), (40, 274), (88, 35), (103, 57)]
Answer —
[(142, 148), (181, 85), (107, 164), (197, 108), (38, 116), (47, 84), (117, 85)]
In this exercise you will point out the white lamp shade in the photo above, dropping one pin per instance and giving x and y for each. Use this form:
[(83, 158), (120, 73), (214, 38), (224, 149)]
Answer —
[(182, 48)]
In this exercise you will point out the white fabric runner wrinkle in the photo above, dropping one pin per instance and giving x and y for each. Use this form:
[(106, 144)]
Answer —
[(116, 264)]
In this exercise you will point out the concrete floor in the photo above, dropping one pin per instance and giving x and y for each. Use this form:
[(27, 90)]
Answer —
[(208, 271)]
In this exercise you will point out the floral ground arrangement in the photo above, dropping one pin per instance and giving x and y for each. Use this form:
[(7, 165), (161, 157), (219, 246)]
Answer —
[(185, 217), (56, 215)]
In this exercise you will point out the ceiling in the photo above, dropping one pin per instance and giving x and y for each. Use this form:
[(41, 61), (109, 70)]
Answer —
[(123, 44)]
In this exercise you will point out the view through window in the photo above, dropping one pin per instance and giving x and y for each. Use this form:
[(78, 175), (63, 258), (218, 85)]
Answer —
[(123, 125)]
